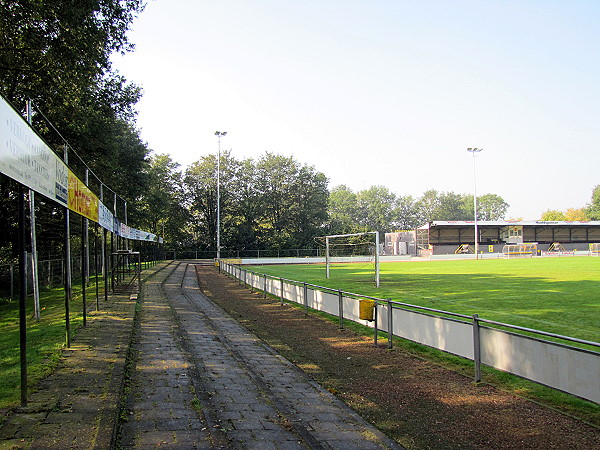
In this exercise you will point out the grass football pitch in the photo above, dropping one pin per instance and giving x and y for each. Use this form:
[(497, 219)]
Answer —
[(557, 295)]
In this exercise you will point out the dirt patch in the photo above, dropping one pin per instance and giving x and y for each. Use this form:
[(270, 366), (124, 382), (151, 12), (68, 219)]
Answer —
[(414, 401)]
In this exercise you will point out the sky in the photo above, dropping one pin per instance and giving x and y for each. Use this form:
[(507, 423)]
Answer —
[(382, 92)]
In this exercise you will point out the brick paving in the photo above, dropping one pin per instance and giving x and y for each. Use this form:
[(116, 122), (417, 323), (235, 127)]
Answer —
[(76, 406), (196, 379)]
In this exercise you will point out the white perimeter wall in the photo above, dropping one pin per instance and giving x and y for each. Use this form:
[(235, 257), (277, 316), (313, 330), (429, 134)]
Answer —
[(568, 369)]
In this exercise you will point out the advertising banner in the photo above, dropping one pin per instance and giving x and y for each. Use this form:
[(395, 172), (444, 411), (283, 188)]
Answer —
[(26, 158), (81, 199), (105, 217)]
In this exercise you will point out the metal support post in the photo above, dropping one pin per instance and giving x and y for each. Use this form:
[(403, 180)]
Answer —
[(305, 295), (376, 329), (22, 295), (341, 309), (390, 322), (84, 269), (476, 348), (265, 287)]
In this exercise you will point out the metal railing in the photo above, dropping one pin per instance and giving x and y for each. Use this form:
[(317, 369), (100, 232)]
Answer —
[(504, 346)]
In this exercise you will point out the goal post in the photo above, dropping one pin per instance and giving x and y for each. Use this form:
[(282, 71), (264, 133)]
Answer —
[(334, 237)]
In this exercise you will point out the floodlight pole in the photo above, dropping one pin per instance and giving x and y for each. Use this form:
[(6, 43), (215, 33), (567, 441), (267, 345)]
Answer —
[(474, 151), (219, 134)]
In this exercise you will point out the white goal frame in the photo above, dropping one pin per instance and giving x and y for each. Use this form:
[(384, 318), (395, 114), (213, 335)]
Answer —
[(335, 236)]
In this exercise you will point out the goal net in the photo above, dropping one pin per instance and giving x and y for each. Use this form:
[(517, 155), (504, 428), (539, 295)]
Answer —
[(519, 250), (595, 249), (357, 248)]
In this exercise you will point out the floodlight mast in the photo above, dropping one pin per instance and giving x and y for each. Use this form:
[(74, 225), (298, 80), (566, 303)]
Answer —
[(474, 151), (219, 134)]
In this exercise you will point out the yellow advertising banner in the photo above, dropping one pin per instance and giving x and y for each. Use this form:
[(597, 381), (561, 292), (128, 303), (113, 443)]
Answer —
[(81, 199)]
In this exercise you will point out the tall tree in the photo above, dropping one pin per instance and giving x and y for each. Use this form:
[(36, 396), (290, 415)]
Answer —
[(576, 215), (553, 215), (489, 207), (342, 211), (162, 205), (375, 208), (57, 50), (593, 208), (405, 214)]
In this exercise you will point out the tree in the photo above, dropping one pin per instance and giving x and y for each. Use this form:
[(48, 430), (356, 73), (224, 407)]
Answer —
[(593, 208), (405, 214), (427, 206), (58, 55), (162, 206), (450, 206), (576, 215), (201, 190), (342, 210), (553, 215), (489, 207), (57, 50), (375, 209), (294, 201)]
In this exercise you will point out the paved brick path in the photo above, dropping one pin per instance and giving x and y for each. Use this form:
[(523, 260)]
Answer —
[(247, 395), (76, 406), (197, 379)]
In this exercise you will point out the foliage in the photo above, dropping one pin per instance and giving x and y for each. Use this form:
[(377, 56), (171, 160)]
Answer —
[(553, 215), (576, 215), (57, 54), (274, 202), (162, 206), (593, 208)]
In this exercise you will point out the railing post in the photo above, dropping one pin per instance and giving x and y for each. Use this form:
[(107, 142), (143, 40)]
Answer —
[(476, 348), (390, 322), (341, 309), (375, 327), (265, 287), (305, 299), (281, 290), (251, 281)]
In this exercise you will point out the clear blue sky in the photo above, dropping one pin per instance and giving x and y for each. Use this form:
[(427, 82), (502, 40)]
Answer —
[(387, 92)]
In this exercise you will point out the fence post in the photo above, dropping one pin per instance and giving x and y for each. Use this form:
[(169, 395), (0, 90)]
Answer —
[(341, 309), (390, 323), (305, 299), (476, 348), (281, 290), (265, 287), (375, 319)]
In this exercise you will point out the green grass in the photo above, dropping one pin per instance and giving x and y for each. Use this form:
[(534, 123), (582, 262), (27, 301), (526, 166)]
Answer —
[(44, 337), (557, 295)]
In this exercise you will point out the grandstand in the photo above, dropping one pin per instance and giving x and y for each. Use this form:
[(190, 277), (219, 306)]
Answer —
[(445, 237)]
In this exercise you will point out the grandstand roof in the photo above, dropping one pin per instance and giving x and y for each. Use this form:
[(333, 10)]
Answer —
[(504, 223)]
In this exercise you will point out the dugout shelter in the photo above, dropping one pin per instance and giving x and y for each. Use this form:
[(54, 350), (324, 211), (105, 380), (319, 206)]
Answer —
[(446, 237)]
